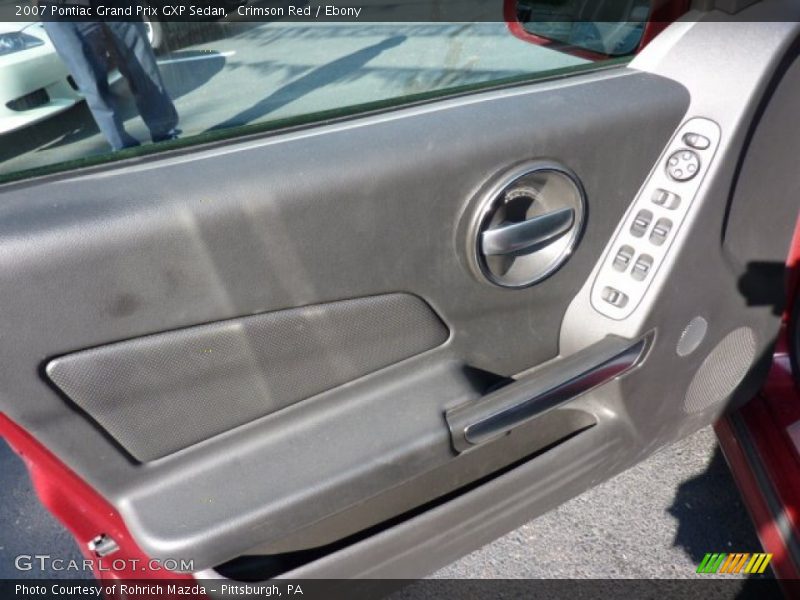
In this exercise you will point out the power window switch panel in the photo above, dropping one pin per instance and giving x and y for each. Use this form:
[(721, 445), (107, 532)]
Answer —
[(660, 232), (623, 258), (614, 297), (641, 223), (666, 199), (642, 267)]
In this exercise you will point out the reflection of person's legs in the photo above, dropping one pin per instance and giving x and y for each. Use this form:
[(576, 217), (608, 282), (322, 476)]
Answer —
[(80, 47), (138, 64)]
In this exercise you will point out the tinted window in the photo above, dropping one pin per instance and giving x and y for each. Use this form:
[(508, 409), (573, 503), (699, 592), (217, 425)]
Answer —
[(218, 78)]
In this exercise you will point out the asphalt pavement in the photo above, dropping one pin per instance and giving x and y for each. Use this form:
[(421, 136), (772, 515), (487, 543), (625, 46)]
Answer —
[(656, 520), (26, 527)]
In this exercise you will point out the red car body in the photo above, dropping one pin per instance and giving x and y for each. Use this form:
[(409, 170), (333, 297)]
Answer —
[(662, 14), (762, 445)]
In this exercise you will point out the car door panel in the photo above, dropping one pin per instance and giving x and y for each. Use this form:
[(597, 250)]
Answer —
[(341, 213), (253, 286)]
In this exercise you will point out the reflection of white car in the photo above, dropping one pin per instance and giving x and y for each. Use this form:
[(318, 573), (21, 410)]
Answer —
[(34, 82)]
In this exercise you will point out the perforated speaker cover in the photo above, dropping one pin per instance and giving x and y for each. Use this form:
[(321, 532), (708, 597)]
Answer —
[(722, 370), (692, 336), (163, 392)]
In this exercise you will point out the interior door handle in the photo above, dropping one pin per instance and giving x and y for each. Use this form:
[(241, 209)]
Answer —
[(516, 238), (550, 386)]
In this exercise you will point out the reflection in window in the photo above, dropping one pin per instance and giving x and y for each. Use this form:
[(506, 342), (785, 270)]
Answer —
[(219, 76)]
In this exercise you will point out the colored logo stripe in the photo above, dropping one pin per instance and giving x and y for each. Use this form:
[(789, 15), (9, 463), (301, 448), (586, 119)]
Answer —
[(729, 562), (758, 563), (733, 563), (711, 562), (738, 566)]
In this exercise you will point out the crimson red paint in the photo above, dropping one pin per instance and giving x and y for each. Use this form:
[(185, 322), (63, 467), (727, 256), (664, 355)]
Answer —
[(664, 13), (767, 418), (81, 510)]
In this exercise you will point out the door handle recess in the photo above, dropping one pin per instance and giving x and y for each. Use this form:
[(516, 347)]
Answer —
[(526, 224), (515, 238), (554, 384)]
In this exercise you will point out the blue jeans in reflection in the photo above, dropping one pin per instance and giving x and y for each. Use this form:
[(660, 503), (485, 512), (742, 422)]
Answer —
[(83, 46)]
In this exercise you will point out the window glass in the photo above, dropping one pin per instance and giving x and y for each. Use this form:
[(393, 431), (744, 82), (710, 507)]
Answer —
[(78, 92)]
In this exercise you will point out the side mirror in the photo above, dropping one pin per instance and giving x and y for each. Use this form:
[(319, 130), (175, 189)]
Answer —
[(592, 29)]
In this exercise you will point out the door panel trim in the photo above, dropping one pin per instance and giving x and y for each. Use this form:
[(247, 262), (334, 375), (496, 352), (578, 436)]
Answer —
[(214, 235)]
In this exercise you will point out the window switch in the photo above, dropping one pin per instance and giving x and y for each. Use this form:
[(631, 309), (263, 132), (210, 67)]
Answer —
[(623, 258), (660, 231), (614, 297), (642, 267), (666, 199), (696, 141), (641, 223)]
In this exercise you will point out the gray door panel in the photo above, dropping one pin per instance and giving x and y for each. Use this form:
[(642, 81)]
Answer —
[(276, 263)]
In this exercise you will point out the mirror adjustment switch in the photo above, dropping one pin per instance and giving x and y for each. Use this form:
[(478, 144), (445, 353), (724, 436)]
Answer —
[(666, 199), (696, 141), (642, 267), (614, 297), (623, 258), (641, 223), (660, 231), (683, 165)]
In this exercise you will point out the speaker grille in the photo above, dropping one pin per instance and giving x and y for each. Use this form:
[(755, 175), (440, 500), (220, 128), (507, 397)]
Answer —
[(161, 393), (722, 370), (692, 336)]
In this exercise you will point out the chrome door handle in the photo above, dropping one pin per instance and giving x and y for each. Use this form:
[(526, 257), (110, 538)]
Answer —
[(549, 387), (516, 238)]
